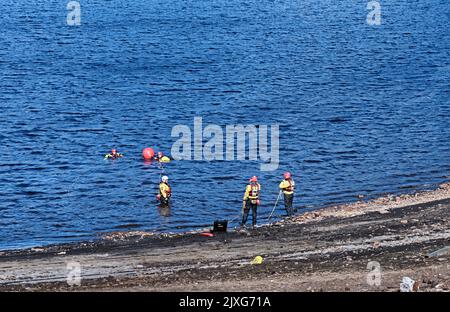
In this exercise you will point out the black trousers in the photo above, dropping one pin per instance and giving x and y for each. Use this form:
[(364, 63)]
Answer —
[(288, 199), (164, 201), (248, 206)]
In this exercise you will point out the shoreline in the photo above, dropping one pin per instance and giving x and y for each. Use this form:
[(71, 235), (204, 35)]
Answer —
[(322, 247), (379, 204), (393, 200)]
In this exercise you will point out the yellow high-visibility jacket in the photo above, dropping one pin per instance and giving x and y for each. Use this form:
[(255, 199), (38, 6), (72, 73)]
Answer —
[(164, 190), (252, 191), (287, 186), (164, 159)]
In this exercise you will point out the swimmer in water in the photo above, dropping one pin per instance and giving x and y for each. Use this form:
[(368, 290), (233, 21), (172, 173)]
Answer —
[(113, 155), (162, 158)]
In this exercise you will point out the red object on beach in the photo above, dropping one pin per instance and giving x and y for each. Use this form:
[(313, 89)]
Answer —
[(148, 153), (207, 234)]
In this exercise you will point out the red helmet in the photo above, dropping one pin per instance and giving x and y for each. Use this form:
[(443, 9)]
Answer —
[(113, 151), (254, 179), (287, 175)]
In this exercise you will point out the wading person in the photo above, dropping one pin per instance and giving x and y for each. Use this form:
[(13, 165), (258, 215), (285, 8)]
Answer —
[(164, 191), (287, 186), (251, 200)]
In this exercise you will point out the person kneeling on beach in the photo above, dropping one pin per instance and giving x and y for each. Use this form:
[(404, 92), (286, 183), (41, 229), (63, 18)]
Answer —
[(251, 200), (164, 191), (288, 187)]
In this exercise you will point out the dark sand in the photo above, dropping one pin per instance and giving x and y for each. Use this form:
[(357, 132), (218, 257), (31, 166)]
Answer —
[(326, 250)]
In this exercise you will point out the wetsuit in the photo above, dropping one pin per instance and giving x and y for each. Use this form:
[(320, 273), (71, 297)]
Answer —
[(113, 156), (164, 193)]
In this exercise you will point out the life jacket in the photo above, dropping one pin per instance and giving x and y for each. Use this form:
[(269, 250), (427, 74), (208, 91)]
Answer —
[(254, 191), (164, 159), (291, 186), (166, 189)]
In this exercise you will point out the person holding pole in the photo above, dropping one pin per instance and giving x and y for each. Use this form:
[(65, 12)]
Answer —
[(287, 186)]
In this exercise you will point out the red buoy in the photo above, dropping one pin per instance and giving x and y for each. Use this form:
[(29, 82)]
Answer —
[(148, 153)]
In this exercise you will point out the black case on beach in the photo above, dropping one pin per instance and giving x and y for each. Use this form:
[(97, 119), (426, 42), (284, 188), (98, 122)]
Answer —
[(220, 226)]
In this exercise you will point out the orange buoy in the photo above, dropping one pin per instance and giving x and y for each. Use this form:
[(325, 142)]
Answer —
[(148, 153)]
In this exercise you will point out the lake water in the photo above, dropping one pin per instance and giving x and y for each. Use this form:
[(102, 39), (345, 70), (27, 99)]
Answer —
[(362, 109)]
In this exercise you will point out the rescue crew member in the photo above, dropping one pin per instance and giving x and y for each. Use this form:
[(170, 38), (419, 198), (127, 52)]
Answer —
[(164, 191), (288, 188), (162, 158), (251, 200), (113, 155)]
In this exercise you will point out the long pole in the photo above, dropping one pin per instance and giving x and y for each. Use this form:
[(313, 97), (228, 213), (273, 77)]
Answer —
[(276, 203)]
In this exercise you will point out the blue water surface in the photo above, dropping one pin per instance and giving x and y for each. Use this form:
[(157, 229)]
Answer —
[(362, 109)]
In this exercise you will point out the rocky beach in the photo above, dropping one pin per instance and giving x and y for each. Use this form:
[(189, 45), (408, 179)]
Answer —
[(363, 246)]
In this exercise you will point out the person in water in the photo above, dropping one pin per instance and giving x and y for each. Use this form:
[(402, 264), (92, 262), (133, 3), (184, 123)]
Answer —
[(162, 158), (113, 155), (165, 191)]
